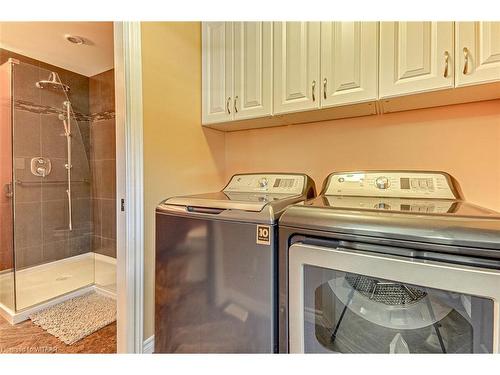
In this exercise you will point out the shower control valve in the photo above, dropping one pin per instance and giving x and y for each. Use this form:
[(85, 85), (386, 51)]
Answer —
[(40, 166)]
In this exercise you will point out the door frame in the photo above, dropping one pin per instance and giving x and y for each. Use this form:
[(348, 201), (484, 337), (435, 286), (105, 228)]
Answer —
[(129, 187)]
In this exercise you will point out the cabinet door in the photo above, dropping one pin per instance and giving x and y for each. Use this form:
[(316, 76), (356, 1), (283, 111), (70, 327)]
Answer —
[(415, 57), (477, 51), (296, 66), (252, 69), (217, 73), (349, 66)]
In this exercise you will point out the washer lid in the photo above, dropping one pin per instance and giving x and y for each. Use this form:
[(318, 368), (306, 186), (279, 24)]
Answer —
[(246, 196), (463, 224), (245, 201), (423, 206)]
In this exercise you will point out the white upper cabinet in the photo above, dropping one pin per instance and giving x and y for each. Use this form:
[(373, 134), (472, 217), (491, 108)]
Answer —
[(282, 72), (349, 62), (477, 51), (253, 70), (415, 57), (296, 66), (217, 73)]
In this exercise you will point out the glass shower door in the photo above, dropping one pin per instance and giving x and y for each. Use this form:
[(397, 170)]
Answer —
[(53, 228)]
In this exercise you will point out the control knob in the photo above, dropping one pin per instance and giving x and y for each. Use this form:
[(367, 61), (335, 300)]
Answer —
[(382, 206), (263, 182), (382, 182)]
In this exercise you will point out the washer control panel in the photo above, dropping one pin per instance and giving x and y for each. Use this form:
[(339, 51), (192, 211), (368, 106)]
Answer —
[(269, 183), (436, 185)]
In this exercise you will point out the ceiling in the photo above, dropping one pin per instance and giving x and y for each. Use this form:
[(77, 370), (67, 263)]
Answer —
[(45, 41)]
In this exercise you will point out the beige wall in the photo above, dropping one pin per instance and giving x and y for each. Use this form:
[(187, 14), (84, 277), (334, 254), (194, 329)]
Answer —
[(179, 157), (463, 140)]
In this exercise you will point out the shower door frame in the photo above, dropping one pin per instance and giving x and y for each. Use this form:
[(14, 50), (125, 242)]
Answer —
[(129, 188)]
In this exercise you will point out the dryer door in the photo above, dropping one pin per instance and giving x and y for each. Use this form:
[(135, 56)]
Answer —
[(345, 301)]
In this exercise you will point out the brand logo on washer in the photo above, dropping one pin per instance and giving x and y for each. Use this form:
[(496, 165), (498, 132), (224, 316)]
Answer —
[(263, 234)]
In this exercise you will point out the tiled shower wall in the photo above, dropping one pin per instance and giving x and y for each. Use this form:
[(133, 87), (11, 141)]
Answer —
[(103, 163), (41, 208)]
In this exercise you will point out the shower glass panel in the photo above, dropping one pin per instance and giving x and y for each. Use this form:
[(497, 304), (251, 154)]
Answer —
[(7, 298), (52, 206)]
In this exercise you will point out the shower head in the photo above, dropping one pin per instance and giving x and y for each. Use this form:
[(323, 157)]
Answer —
[(52, 83)]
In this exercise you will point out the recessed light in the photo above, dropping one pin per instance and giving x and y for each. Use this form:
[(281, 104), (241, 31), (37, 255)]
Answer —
[(74, 39)]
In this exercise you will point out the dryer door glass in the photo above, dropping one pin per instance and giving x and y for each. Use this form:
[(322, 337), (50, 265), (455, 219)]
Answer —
[(352, 313)]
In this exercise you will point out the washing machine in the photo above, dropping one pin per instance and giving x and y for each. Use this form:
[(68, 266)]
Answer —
[(216, 265), (389, 262)]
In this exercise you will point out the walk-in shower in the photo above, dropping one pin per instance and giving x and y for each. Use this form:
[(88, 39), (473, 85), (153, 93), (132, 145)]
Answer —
[(47, 218)]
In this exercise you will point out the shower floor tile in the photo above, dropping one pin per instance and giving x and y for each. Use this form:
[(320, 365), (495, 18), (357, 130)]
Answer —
[(41, 283)]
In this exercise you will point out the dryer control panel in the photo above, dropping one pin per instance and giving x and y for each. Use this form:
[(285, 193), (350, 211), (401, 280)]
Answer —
[(269, 183), (397, 184), (426, 206)]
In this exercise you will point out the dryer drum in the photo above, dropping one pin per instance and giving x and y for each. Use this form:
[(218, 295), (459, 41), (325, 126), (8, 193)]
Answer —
[(387, 303), (386, 292)]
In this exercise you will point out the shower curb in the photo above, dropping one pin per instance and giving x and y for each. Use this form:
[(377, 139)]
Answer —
[(15, 318)]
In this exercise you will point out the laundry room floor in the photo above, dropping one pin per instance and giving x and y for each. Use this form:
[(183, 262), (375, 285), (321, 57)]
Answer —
[(26, 337)]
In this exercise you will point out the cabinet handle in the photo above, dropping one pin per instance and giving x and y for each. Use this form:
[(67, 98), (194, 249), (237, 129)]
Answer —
[(466, 61), (324, 87), (446, 63), (314, 91), (227, 105), (235, 101)]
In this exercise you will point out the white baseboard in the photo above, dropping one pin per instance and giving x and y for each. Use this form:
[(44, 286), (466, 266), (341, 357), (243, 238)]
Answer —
[(148, 346)]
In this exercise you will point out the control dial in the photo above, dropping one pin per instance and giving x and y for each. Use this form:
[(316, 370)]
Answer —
[(382, 206), (382, 182), (263, 182)]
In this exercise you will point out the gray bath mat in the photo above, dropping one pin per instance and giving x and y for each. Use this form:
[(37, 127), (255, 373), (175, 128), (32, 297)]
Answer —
[(76, 318)]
